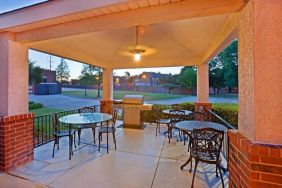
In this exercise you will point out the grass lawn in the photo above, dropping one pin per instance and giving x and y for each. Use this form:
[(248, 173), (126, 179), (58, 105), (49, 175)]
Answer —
[(120, 94), (44, 111)]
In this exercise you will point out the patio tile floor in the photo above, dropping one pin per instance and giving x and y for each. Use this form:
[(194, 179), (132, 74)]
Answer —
[(141, 160)]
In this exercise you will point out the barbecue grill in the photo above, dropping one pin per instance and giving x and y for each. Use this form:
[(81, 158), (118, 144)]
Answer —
[(132, 105)]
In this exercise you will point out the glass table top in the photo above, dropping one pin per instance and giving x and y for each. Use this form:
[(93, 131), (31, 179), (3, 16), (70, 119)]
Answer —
[(85, 118), (187, 112)]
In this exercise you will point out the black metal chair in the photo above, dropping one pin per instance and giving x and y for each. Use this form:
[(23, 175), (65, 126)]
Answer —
[(92, 126), (206, 147), (159, 120), (57, 133), (197, 116), (175, 116), (109, 127)]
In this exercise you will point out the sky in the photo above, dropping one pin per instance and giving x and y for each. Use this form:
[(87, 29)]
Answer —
[(43, 60)]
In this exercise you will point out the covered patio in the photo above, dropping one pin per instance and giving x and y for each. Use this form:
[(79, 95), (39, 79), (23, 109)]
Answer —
[(170, 33)]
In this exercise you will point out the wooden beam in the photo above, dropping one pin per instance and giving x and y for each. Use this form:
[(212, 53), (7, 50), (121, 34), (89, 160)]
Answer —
[(223, 38), (141, 16)]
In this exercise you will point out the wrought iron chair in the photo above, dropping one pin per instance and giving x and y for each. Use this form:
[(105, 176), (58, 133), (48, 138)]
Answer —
[(159, 120), (197, 116), (109, 127), (206, 147), (175, 116), (57, 133), (92, 126)]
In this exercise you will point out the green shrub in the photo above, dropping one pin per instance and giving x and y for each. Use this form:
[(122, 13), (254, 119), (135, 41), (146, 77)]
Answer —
[(32, 105), (228, 112)]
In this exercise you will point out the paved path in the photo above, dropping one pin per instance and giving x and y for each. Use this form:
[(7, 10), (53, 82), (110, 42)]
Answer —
[(63, 102)]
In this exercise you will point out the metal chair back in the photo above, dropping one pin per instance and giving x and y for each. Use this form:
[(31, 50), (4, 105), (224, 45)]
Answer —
[(207, 143), (86, 110), (199, 116), (176, 115)]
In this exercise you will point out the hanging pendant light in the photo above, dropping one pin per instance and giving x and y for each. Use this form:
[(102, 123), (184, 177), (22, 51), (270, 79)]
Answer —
[(137, 52)]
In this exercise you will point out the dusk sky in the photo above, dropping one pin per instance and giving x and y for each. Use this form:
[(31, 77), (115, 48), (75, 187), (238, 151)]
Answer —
[(43, 60)]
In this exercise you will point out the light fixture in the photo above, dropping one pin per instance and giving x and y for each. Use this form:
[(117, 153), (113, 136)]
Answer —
[(137, 52)]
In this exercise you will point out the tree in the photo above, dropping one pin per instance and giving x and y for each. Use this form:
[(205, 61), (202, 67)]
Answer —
[(35, 73), (90, 75), (216, 74), (187, 77), (62, 71)]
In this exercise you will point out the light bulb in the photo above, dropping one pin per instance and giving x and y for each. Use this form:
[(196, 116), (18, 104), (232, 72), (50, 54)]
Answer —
[(137, 56)]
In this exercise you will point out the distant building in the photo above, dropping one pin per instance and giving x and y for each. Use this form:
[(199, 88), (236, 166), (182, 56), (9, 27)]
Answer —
[(148, 79), (48, 76)]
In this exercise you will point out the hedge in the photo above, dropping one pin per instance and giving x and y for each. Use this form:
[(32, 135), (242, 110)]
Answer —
[(32, 105), (227, 111)]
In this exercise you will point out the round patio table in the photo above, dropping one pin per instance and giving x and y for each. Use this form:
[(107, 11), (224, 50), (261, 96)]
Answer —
[(189, 126), (83, 119)]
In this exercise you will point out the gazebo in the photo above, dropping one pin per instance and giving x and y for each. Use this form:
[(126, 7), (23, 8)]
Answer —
[(170, 33)]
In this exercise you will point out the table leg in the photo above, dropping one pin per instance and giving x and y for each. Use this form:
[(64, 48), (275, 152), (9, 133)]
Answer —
[(107, 137)]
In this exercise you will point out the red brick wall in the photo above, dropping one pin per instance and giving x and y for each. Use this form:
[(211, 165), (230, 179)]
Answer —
[(106, 106), (16, 140), (252, 164)]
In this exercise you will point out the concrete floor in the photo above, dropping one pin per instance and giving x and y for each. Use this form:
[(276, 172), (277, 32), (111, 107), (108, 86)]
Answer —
[(141, 160)]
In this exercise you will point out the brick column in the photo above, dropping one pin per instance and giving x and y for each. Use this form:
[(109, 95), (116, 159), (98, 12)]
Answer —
[(106, 106), (106, 103), (16, 140), (255, 157)]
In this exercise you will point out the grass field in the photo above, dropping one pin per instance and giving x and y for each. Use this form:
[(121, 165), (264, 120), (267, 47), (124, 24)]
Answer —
[(120, 94), (44, 111)]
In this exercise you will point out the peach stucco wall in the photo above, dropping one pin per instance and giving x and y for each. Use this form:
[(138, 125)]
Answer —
[(107, 84), (260, 71), (14, 76), (203, 83)]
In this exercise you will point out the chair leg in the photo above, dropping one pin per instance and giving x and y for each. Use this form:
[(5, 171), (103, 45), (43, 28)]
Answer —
[(99, 141), (196, 164), (70, 148), (114, 137), (157, 129), (79, 133), (222, 182), (58, 142), (74, 140), (179, 132), (55, 141), (169, 134), (94, 132)]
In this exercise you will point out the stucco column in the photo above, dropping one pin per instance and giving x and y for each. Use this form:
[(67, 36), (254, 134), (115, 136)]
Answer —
[(16, 124), (202, 88), (13, 76), (107, 84), (107, 101), (256, 148), (203, 83)]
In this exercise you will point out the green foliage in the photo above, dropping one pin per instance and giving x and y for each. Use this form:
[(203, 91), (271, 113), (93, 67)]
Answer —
[(35, 73), (62, 71), (187, 77), (32, 105), (223, 68), (90, 75), (229, 112)]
